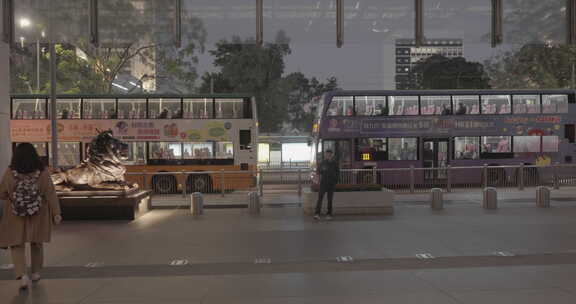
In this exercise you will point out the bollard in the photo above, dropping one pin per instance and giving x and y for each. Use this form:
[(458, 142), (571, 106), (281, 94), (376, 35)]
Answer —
[(490, 198), (197, 204), (253, 203), (543, 197), (436, 199)]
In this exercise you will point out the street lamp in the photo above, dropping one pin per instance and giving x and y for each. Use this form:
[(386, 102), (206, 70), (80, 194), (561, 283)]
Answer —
[(25, 23)]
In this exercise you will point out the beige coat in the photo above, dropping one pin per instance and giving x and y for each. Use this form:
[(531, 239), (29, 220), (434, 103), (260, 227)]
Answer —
[(16, 230)]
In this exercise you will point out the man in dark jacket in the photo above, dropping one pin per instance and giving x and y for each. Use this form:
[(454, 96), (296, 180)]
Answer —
[(329, 172)]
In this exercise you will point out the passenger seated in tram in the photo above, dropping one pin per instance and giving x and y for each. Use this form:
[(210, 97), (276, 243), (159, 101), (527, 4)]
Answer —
[(163, 114), (445, 110), (461, 109)]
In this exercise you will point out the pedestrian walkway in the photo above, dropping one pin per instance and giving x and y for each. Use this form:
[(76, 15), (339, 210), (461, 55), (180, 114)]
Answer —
[(462, 254)]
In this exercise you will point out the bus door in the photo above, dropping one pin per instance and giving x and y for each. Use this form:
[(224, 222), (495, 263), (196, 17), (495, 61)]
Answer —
[(435, 155)]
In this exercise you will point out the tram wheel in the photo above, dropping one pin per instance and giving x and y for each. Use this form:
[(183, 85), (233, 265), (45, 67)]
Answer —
[(164, 184), (198, 183)]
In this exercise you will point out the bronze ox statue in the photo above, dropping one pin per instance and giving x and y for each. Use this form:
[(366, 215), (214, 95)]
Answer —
[(102, 169)]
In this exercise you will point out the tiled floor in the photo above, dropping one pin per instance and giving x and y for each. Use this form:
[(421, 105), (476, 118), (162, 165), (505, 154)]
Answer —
[(463, 254)]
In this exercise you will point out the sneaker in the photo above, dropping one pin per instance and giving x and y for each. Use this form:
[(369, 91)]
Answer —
[(24, 282), (35, 277), (316, 216), (328, 217)]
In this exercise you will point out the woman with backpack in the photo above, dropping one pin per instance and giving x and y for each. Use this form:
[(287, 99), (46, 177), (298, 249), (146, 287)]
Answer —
[(31, 209)]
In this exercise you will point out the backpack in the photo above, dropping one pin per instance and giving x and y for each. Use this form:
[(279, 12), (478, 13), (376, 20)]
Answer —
[(26, 198)]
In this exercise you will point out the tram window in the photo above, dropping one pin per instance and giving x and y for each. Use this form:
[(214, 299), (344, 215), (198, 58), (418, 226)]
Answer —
[(224, 150), (371, 105), (403, 105), (198, 150), (554, 104), (165, 150), (341, 106), (496, 104), (466, 104), (68, 108), (526, 104), (136, 153), (550, 143), (245, 139), (199, 108), (164, 108), (68, 153), (229, 108), (131, 108), (29, 108), (496, 144), (371, 149), (523, 144), (435, 105), (99, 108), (402, 148), (466, 148)]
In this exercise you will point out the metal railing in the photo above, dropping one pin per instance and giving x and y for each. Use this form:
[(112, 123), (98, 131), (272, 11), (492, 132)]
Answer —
[(236, 184)]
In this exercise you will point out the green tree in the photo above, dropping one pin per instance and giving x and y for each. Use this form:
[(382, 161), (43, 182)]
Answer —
[(299, 93), (440, 72), (247, 68), (535, 20), (126, 34), (282, 100), (534, 66)]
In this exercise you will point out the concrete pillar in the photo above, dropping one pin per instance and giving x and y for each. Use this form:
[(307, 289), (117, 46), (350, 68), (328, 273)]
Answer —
[(6, 146)]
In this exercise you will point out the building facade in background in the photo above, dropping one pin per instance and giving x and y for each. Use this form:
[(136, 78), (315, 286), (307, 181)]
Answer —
[(407, 55)]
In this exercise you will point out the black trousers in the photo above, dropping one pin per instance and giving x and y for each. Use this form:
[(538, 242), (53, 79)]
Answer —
[(325, 189)]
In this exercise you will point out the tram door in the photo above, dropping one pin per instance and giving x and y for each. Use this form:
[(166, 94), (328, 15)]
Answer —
[(435, 155)]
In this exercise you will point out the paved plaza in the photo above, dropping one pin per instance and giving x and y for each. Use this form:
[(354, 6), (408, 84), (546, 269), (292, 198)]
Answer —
[(462, 254)]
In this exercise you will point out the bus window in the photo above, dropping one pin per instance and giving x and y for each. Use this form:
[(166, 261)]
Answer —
[(136, 153), (371, 105), (199, 150), (371, 149), (523, 144), (403, 105), (164, 108), (99, 108), (435, 105), (341, 106), (341, 149), (466, 148), (526, 104), (496, 104), (554, 104), (245, 140), (33, 108), (68, 108), (496, 144), (466, 104), (131, 108), (199, 108), (550, 143), (402, 148), (224, 150), (165, 150), (229, 108)]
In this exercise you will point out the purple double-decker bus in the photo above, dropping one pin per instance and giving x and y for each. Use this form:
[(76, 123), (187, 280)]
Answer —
[(434, 129)]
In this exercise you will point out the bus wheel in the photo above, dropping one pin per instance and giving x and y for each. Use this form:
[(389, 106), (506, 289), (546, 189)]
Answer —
[(164, 184), (198, 183)]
